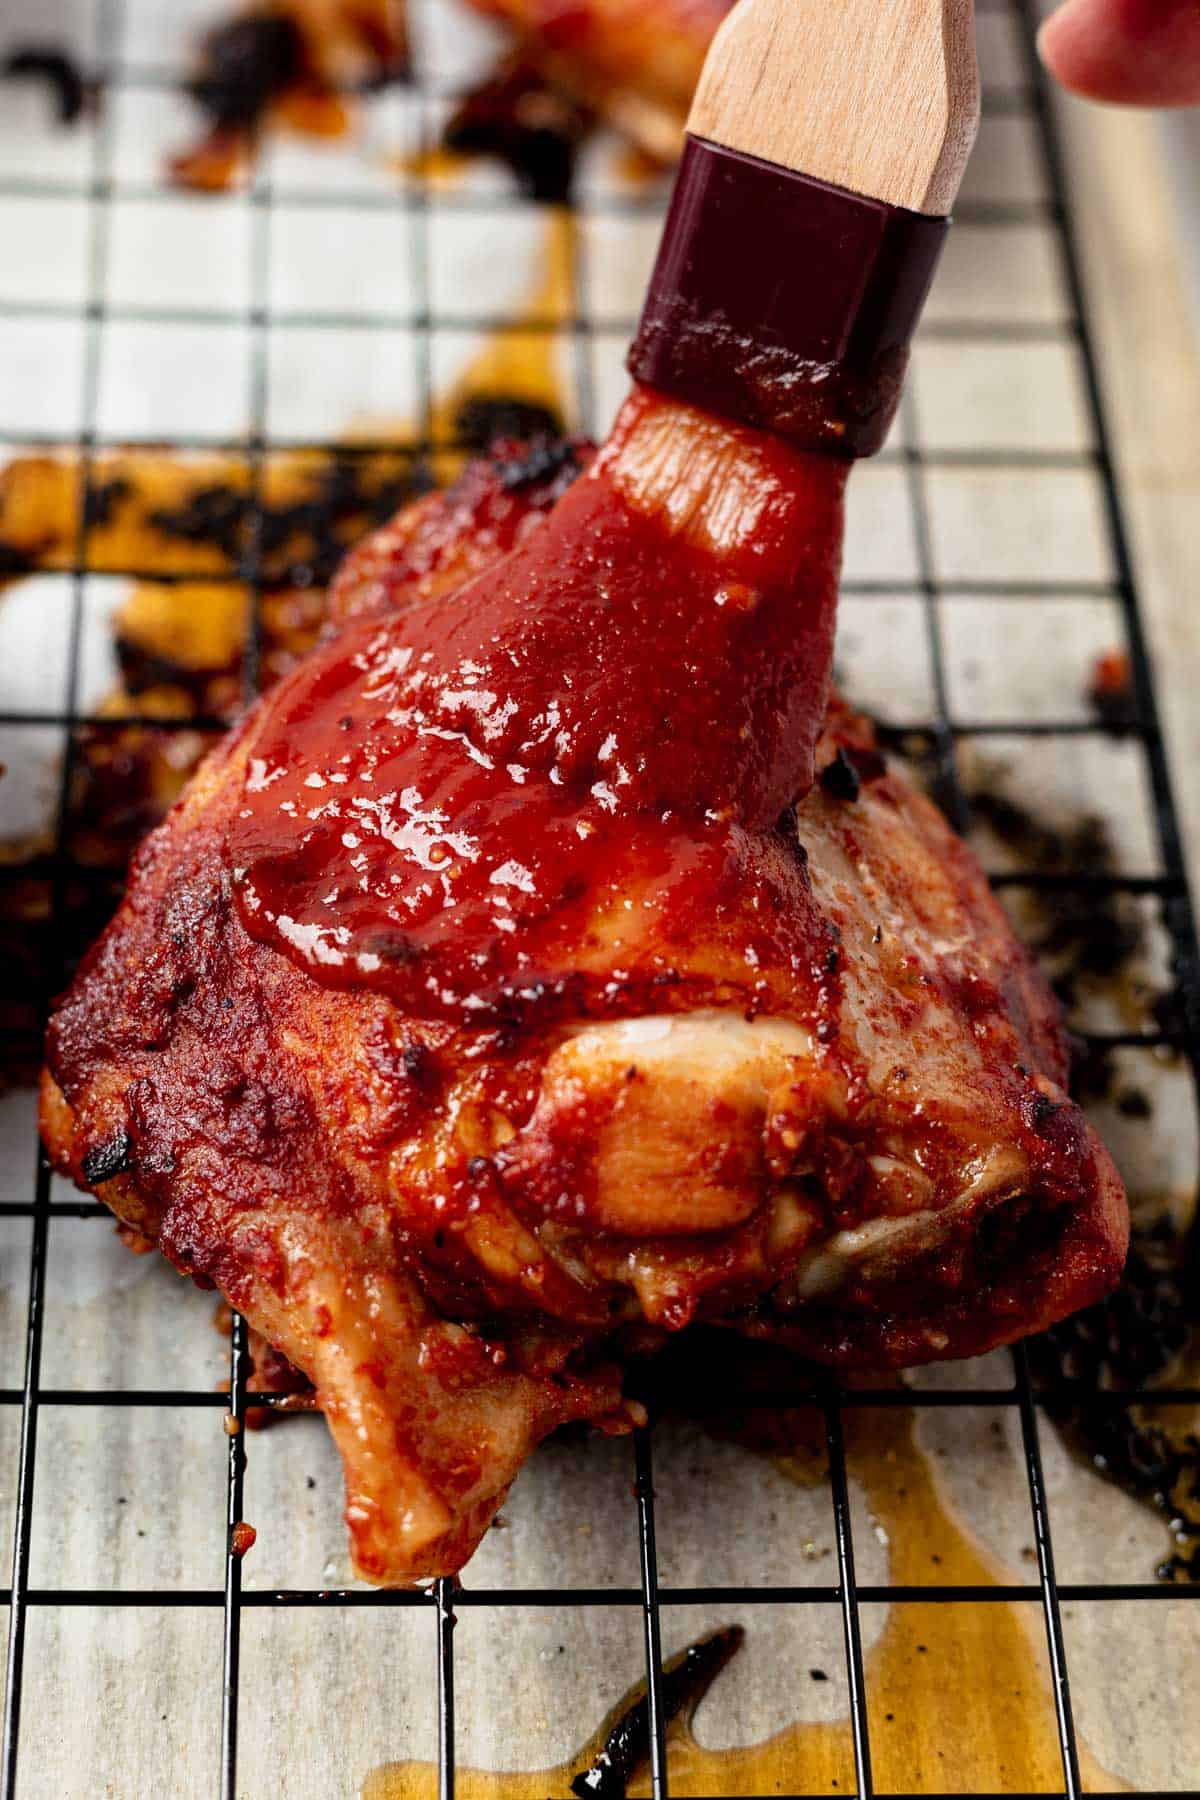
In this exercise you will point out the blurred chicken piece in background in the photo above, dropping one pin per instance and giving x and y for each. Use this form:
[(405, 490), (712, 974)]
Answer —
[(292, 62), (632, 62)]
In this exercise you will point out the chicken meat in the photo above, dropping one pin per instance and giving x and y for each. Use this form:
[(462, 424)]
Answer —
[(548, 962)]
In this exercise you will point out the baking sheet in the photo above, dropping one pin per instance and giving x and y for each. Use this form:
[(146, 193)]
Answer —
[(126, 1699)]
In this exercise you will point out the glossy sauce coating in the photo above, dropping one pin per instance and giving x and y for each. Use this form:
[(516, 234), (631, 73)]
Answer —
[(457, 804)]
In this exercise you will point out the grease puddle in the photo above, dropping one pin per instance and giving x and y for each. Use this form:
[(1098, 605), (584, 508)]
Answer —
[(959, 1696)]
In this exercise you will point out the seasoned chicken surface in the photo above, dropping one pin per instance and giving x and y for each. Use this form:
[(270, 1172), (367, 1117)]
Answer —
[(505, 993)]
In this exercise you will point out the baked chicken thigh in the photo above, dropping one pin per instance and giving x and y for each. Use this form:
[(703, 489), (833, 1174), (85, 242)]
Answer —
[(506, 993)]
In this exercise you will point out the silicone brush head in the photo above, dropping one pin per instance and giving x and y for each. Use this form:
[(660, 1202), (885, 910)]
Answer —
[(818, 351)]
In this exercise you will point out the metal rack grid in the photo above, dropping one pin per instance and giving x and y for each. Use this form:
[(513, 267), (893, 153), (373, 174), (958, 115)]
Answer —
[(1168, 888)]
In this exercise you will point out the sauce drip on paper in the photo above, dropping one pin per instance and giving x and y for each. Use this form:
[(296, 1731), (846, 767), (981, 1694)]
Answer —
[(959, 1696)]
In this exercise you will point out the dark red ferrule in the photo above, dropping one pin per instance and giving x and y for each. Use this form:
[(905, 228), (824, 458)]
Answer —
[(783, 301)]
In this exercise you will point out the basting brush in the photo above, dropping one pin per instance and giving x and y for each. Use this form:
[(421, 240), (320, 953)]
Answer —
[(824, 149)]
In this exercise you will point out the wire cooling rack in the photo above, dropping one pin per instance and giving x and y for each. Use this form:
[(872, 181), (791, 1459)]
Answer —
[(1007, 233)]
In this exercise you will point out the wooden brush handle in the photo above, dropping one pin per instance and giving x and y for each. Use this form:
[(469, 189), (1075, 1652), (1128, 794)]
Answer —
[(877, 96)]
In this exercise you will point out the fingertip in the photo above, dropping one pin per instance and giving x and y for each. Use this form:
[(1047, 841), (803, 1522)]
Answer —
[(1047, 36), (1075, 46), (1131, 52)]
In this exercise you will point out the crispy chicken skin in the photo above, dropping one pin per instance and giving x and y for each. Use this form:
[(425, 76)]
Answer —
[(799, 1079)]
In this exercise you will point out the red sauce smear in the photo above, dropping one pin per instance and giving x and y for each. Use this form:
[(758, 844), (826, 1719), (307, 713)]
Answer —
[(463, 802)]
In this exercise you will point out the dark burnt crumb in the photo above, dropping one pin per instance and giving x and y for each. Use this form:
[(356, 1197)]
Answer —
[(298, 543), (1037, 1110), (103, 499), (1083, 934), (48, 63), (301, 544), (1083, 847), (482, 418), (685, 1681), (14, 562), (246, 63), (840, 778), (1169, 1013), (553, 462), (1099, 933), (214, 515), (421, 480), (531, 126), (389, 496), (106, 1160), (1093, 1069), (290, 544), (421, 1066), (817, 1675), (1127, 1343), (140, 671), (1110, 692)]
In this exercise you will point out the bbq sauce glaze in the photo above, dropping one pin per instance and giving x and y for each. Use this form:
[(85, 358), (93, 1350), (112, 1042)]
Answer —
[(462, 805)]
